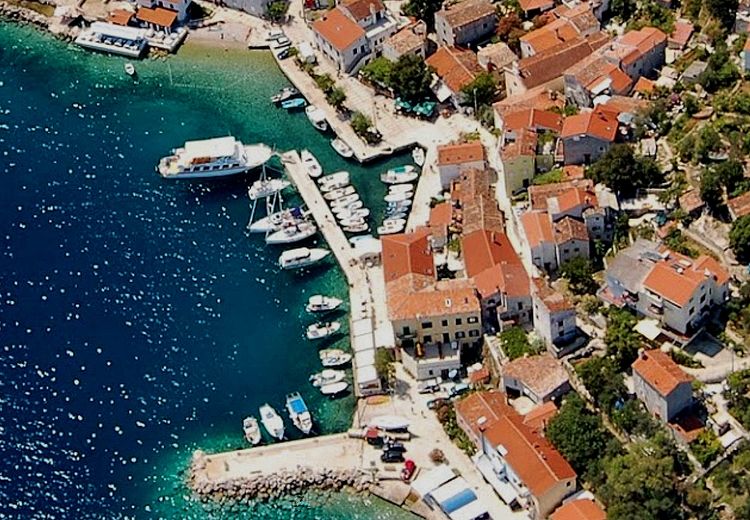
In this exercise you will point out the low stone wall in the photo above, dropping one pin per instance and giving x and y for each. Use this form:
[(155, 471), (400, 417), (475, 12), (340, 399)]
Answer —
[(275, 485), (15, 12)]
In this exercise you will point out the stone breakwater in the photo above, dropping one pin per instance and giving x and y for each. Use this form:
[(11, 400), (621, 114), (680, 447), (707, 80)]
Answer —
[(275, 485), (22, 14)]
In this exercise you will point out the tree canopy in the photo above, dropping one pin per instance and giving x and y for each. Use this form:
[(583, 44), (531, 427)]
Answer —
[(515, 343), (624, 172), (622, 340), (423, 10), (601, 377), (378, 71), (411, 78), (481, 91), (276, 11), (721, 71), (739, 238), (724, 11), (580, 275)]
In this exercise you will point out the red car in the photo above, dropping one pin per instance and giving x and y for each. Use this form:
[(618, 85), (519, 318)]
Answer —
[(408, 472)]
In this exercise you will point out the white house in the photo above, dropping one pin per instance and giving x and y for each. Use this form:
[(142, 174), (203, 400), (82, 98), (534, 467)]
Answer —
[(340, 39), (453, 158)]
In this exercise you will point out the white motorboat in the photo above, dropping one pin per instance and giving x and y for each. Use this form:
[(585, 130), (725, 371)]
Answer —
[(348, 222), (402, 204), (345, 201), (333, 389), (213, 158), (263, 188), (272, 421), (284, 94), (364, 238), (292, 233), (389, 422), (357, 204), (341, 192), (391, 226), (334, 357), (298, 412), (280, 43), (399, 175), (314, 169), (274, 34), (301, 257), (317, 117), (275, 221), (130, 69), (357, 228), (353, 213), (251, 429), (320, 303), (334, 180), (343, 149), (418, 155), (322, 330), (327, 377), (396, 215), (399, 197), (400, 188)]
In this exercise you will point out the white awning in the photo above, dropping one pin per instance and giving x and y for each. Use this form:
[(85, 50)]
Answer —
[(649, 328), (430, 480), (363, 343), (470, 511), (364, 358), (442, 93), (361, 327), (366, 375), (118, 31)]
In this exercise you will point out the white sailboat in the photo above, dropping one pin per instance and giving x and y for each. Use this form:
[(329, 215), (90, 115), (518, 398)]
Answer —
[(418, 155), (301, 257), (317, 117), (311, 164), (272, 421), (263, 188), (322, 330), (320, 303), (251, 430), (291, 233), (275, 221)]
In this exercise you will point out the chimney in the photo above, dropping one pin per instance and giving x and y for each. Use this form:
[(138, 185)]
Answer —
[(482, 423)]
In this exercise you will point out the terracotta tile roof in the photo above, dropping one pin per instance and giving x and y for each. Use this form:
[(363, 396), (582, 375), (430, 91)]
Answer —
[(593, 123), (644, 85), (617, 105), (462, 13), (120, 17), (407, 253), (581, 509), (551, 35), (681, 34), (483, 249), (478, 204), (570, 199), (541, 374), (633, 45), (533, 5), (440, 299), (659, 371), (747, 45), (582, 17), (532, 118), (539, 98), (480, 376), (569, 228), (739, 206), (538, 417), (509, 279), (524, 146), (361, 9), (158, 16), (408, 39), (338, 29), (552, 300), (460, 153), (573, 172), (441, 215), (537, 227), (490, 404), (677, 287), (538, 195), (691, 201), (456, 67), (706, 263)]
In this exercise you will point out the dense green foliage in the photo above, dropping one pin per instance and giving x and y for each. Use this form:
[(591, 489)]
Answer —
[(336, 97), (738, 311), (515, 343), (706, 447), (623, 10), (423, 10), (721, 71), (276, 11), (622, 340), (411, 78), (384, 364), (446, 414), (481, 91), (624, 172), (724, 11), (739, 238), (682, 358), (727, 175), (580, 275), (732, 480), (604, 382), (552, 176), (738, 396), (360, 123), (378, 71), (678, 243)]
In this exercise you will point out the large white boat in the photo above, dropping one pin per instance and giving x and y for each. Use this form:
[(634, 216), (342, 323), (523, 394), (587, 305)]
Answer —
[(251, 430), (272, 421), (327, 377), (333, 389), (317, 117), (418, 155), (333, 181), (334, 357), (292, 233), (400, 188), (213, 158), (311, 164), (263, 188), (343, 149), (322, 330), (301, 257), (298, 412), (320, 303), (399, 175), (277, 220)]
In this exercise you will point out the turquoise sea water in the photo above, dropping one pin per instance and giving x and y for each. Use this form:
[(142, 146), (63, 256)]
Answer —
[(138, 319)]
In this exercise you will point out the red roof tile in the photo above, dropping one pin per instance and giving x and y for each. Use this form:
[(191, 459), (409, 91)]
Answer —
[(538, 417), (569, 228), (456, 67), (681, 34), (524, 145), (338, 29), (538, 195), (581, 509), (633, 45), (435, 300), (361, 9), (120, 17), (533, 5), (467, 11), (594, 123), (537, 228), (644, 85), (158, 16), (508, 279), (739, 206), (552, 300), (407, 253), (460, 153), (483, 249), (532, 118), (441, 215), (659, 371)]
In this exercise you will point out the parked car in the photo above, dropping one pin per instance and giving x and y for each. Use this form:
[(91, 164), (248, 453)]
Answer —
[(408, 472), (436, 403), (458, 389), (394, 446), (429, 386), (392, 456)]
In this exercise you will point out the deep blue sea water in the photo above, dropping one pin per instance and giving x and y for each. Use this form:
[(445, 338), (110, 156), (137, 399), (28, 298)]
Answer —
[(138, 319)]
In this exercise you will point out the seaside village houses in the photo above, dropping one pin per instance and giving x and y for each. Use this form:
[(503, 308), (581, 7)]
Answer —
[(353, 31), (463, 23)]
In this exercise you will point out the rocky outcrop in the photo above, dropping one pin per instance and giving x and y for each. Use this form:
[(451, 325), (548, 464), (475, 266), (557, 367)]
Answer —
[(275, 485), (16, 12)]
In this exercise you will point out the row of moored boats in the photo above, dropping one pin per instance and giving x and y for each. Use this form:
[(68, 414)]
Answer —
[(400, 195)]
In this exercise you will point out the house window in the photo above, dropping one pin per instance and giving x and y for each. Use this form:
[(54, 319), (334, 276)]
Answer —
[(691, 311), (576, 250), (355, 51), (472, 319), (520, 305), (458, 321), (473, 333), (428, 339), (460, 334), (703, 298), (407, 330), (446, 337), (426, 324), (445, 323), (560, 323)]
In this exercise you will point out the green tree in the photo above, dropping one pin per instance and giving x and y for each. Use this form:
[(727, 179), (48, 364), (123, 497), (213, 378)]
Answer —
[(481, 91), (515, 343), (709, 141), (711, 189), (336, 97), (721, 71), (378, 71), (276, 11), (706, 447), (423, 10), (623, 171), (384, 364), (361, 123), (324, 82), (621, 339), (601, 377), (739, 238), (580, 275), (411, 78), (623, 10), (724, 11)]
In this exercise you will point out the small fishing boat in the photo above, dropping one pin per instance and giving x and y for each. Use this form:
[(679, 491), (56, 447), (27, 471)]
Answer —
[(343, 149), (364, 238), (354, 213), (293, 104), (261, 189), (327, 377), (272, 421), (400, 188), (130, 69), (298, 412), (400, 175), (357, 228), (275, 221), (294, 232), (284, 53), (334, 180), (320, 303), (317, 117), (333, 389), (402, 204), (334, 357), (347, 222), (389, 422), (284, 94), (399, 197), (251, 429), (322, 330), (391, 226), (395, 215), (418, 155), (301, 257), (311, 164), (345, 201), (349, 207), (274, 34), (339, 193)]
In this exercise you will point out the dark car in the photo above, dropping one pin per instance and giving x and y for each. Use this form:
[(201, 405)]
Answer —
[(394, 446), (436, 403), (392, 456)]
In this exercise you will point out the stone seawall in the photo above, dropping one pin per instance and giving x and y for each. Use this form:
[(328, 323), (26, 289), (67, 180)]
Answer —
[(274, 485), (23, 14)]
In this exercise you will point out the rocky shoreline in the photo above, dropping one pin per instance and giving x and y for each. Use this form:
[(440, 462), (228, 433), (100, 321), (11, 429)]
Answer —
[(276, 485), (23, 14)]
